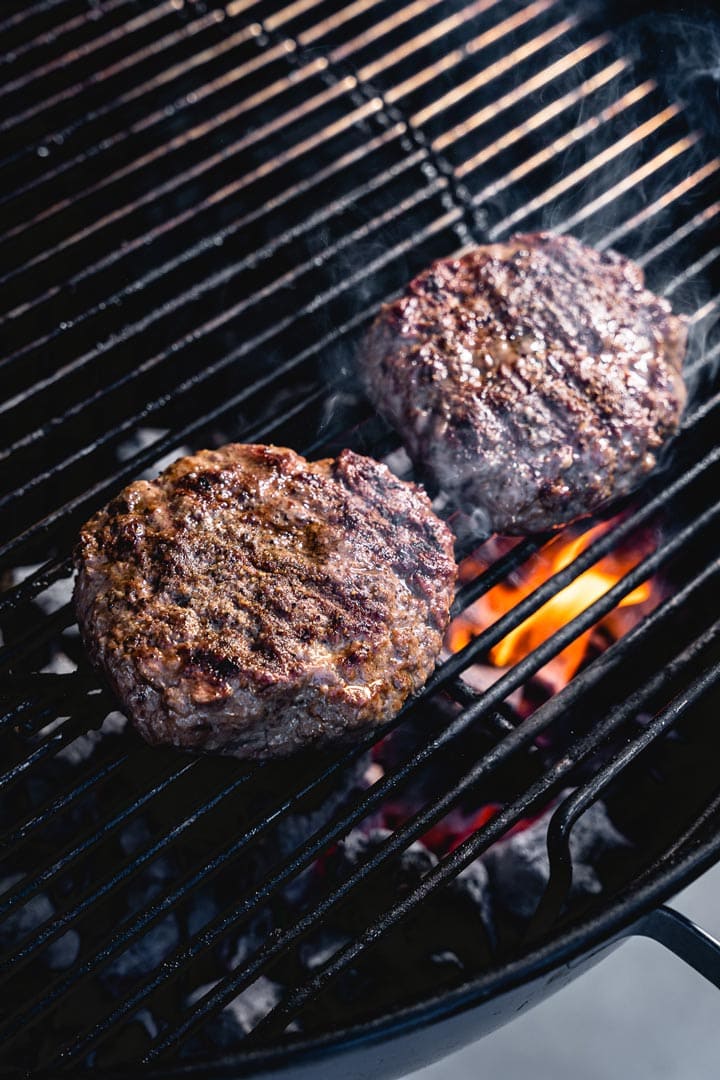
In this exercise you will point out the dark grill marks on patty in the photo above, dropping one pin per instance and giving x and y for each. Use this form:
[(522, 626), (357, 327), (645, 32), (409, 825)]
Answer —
[(532, 380), (251, 602)]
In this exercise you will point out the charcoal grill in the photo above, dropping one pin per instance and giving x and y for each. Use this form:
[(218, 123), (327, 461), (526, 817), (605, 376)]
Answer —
[(203, 205)]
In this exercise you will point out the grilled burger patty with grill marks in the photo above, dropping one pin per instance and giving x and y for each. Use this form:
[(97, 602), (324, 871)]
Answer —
[(254, 603), (532, 380)]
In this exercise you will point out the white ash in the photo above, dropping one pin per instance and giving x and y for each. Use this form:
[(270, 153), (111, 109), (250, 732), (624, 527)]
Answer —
[(252, 938), (240, 1016), (52, 598), (146, 953), (126, 1043), (203, 908), (84, 746), (454, 921), (140, 440), (48, 729), (313, 954), (519, 867), (413, 863), (23, 920), (296, 828), (146, 1019), (59, 664)]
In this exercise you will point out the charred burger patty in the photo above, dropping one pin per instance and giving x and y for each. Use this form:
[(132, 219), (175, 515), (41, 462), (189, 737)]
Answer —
[(251, 602), (531, 380)]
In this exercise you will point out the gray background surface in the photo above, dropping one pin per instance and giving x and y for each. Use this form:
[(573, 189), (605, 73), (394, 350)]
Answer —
[(641, 1014)]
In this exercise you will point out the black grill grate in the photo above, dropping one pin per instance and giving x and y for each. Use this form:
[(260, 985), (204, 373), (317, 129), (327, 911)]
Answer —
[(203, 205)]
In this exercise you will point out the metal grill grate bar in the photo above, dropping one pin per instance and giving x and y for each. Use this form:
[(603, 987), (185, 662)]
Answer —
[(504, 686), (200, 130), (108, 484), (517, 94), (448, 868), (568, 814), (696, 222), (683, 187), (709, 308), (58, 31), (436, 31), (283, 48), (43, 477), (223, 276), (693, 270), (332, 22), (523, 52), (39, 820), (664, 615), (559, 145), (586, 170), (153, 276), (256, 135), (385, 26), (166, 7), (634, 178), (355, 116), (410, 119), (28, 12), (145, 238), (155, 48), (564, 577), (230, 986)]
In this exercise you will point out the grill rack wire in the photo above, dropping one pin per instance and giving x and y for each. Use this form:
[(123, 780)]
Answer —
[(380, 69)]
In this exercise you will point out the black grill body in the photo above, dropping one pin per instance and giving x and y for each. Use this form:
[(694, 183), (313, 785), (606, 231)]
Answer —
[(203, 205)]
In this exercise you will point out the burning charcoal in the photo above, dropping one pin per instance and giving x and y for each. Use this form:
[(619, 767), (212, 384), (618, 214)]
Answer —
[(84, 746), (59, 664), (295, 829), (146, 953), (250, 940), (518, 866), (445, 935), (224, 1032), (202, 908), (134, 836), (471, 890), (140, 440), (22, 921), (318, 950), (53, 597), (127, 1043), (414, 863)]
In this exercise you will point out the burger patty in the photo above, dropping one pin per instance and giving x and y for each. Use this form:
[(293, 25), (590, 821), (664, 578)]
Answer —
[(251, 602), (531, 380)]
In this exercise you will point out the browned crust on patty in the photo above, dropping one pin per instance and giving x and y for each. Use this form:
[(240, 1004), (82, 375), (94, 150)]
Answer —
[(533, 379), (252, 602)]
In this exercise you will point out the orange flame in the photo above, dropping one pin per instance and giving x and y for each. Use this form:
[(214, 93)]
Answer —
[(559, 610)]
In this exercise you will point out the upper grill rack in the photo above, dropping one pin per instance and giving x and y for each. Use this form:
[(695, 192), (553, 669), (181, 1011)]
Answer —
[(249, 178)]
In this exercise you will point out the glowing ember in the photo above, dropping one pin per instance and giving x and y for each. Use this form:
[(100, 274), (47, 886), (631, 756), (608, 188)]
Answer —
[(560, 609)]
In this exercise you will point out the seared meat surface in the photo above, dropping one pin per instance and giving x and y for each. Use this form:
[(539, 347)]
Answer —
[(531, 380), (251, 602)]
